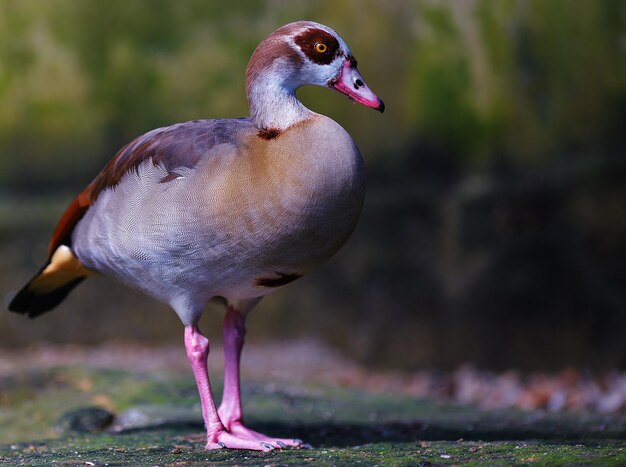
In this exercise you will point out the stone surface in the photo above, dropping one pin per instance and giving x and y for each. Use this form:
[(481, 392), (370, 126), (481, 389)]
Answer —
[(159, 424)]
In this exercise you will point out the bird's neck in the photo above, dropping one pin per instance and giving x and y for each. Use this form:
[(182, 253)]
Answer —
[(273, 103)]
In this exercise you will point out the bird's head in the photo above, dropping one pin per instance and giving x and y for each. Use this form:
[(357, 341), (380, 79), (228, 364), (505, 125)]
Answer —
[(304, 53)]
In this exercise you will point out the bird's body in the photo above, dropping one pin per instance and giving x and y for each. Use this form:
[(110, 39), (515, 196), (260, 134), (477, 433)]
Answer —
[(250, 215), (231, 208)]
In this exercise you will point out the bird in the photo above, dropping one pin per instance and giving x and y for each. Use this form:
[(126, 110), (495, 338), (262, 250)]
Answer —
[(231, 208)]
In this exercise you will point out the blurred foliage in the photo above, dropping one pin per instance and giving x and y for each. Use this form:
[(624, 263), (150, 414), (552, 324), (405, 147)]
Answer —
[(496, 175), (526, 80)]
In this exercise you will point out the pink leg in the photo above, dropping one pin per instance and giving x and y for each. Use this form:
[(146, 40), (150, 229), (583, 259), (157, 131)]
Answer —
[(230, 408), (218, 437)]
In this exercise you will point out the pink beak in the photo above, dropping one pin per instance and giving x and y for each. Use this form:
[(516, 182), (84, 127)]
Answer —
[(351, 83)]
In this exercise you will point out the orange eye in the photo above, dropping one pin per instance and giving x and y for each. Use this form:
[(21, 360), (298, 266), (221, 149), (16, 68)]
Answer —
[(321, 47)]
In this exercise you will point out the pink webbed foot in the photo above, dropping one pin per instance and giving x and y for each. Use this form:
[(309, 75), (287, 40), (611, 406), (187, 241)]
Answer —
[(225, 440), (241, 431), (197, 347), (230, 412)]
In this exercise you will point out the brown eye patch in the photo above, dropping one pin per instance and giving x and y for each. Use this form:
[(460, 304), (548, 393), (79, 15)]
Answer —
[(310, 42)]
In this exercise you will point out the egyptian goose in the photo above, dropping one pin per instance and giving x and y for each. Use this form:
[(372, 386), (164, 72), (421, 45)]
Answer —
[(231, 208)]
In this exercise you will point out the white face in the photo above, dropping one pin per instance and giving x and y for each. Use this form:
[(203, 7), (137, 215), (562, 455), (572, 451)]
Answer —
[(326, 61)]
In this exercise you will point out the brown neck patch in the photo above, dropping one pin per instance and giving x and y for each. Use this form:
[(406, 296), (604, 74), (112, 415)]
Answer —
[(308, 41), (269, 133)]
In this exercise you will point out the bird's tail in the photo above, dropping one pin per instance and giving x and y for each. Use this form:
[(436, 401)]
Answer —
[(51, 284)]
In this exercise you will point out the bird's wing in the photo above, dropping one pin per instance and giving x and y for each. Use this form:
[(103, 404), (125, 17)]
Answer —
[(180, 145), (176, 146)]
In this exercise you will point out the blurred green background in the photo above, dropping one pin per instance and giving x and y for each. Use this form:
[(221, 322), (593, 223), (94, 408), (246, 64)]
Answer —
[(494, 230)]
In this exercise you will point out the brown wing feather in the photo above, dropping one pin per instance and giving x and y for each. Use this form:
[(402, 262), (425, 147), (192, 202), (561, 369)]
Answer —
[(63, 232), (180, 145)]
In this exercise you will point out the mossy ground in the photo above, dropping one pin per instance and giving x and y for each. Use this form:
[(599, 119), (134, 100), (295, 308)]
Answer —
[(346, 426)]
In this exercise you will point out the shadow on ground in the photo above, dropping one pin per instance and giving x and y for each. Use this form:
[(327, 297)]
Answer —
[(343, 435)]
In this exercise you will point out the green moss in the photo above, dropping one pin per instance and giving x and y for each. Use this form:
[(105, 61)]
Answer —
[(164, 448), (346, 426)]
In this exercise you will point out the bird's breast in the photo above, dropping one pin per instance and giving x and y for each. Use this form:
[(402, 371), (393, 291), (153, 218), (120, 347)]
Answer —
[(295, 199)]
